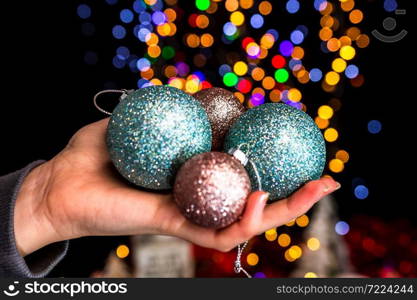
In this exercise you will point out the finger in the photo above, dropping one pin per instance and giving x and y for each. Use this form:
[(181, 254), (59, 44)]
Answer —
[(247, 226), (252, 216), (300, 202), (227, 238), (91, 134)]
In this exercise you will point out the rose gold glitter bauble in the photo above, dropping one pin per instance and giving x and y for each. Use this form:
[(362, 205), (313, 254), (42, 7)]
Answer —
[(222, 108), (211, 189)]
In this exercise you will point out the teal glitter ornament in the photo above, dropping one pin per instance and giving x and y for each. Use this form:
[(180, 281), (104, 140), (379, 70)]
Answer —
[(153, 131), (283, 142)]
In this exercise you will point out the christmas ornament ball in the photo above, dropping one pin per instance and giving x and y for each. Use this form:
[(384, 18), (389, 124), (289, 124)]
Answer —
[(222, 108), (211, 189), (284, 143), (153, 131)]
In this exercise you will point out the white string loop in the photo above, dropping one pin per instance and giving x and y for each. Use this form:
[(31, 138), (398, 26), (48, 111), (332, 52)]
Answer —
[(124, 93), (238, 265), (243, 158)]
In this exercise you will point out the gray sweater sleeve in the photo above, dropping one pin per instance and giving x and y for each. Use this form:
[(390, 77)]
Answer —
[(12, 264)]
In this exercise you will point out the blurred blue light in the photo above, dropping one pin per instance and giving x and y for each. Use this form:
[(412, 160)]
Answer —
[(297, 37), (146, 25), (123, 52), (142, 83), (133, 64), (374, 126), (323, 47), (284, 96), (158, 18), (200, 75), (303, 29), (223, 69), (293, 6), (119, 32), (286, 48), (257, 21), (390, 5), (229, 28), (118, 63), (320, 4), (351, 71), (145, 17), (84, 11), (159, 5), (342, 228), (143, 64), (294, 64), (146, 84), (126, 15), (142, 34), (315, 74), (361, 192), (139, 6)]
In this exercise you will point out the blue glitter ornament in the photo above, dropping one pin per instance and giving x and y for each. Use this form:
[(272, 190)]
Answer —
[(283, 142), (153, 131)]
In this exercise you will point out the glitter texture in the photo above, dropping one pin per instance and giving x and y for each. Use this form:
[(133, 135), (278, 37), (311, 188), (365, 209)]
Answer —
[(211, 189), (222, 108), (153, 131), (284, 143)]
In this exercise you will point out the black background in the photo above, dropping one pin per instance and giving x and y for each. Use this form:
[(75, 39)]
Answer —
[(47, 92)]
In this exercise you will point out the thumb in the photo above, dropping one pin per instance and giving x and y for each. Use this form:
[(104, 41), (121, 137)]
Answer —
[(252, 216)]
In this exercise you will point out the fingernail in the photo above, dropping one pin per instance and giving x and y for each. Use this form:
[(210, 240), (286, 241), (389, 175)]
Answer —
[(264, 198), (334, 188)]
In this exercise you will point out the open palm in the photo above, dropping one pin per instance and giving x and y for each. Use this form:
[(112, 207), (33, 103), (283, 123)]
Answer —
[(84, 196)]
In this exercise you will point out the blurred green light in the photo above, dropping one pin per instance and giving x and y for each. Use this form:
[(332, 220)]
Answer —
[(202, 4), (168, 52), (281, 75), (230, 79)]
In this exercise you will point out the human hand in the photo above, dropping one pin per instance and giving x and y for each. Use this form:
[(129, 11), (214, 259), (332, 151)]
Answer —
[(79, 193)]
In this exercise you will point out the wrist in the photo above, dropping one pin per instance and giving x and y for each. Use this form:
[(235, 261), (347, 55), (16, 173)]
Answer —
[(32, 228)]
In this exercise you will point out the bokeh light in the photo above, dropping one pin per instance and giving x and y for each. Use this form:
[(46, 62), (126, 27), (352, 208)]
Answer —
[(202, 4), (331, 135), (230, 79), (342, 228), (310, 275), (374, 126), (313, 244), (361, 192), (252, 259), (281, 75), (84, 11), (302, 221), (284, 240), (336, 165), (122, 251)]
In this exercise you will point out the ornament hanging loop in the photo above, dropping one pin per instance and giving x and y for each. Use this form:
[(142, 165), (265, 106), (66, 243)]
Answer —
[(238, 265), (244, 160), (124, 93)]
